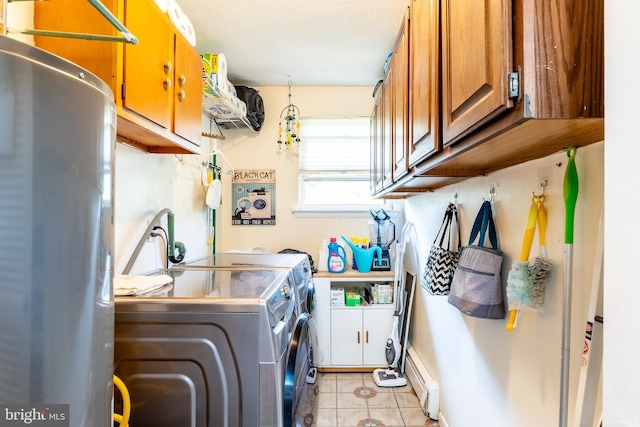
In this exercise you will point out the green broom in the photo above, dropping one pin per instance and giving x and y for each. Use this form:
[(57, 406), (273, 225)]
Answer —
[(570, 190)]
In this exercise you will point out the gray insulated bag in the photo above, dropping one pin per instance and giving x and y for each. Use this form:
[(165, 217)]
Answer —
[(476, 288)]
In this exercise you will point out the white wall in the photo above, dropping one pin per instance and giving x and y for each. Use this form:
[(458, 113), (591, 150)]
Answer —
[(147, 183), (20, 16), (246, 150), (487, 375), (622, 198)]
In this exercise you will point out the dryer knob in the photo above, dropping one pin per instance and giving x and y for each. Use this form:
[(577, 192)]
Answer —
[(286, 292)]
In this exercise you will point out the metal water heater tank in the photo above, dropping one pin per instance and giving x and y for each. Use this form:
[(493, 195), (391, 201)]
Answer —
[(57, 137)]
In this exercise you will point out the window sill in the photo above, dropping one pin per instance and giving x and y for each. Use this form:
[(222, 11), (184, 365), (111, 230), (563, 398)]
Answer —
[(337, 212)]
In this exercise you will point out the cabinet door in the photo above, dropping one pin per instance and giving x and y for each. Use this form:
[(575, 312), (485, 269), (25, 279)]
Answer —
[(374, 162), (377, 324), (400, 66), (424, 78), (188, 92), (80, 17), (377, 135), (148, 66), (346, 337), (322, 317), (476, 60), (387, 130)]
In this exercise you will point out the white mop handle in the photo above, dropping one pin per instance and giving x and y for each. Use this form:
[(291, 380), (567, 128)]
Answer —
[(566, 335), (591, 315)]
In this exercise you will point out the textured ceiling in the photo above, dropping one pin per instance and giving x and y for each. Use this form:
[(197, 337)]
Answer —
[(307, 42)]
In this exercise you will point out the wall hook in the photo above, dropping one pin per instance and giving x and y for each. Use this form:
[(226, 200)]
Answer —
[(543, 184)]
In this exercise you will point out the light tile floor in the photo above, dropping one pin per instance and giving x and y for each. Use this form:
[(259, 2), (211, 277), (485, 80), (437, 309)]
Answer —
[(355, 400)]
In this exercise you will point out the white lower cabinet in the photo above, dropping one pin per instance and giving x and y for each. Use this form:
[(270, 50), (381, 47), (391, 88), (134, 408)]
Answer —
[(350, 337), (359, 335)]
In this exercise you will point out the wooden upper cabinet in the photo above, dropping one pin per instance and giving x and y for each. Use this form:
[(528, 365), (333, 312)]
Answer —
[(424, 79), (400, 82), (376, 143), (559, 47), (187, 94), (492, 84), (156, 112), (476, 62), (148, 65), (386, 140), (80, 17)]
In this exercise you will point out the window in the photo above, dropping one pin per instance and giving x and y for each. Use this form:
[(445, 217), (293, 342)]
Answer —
[(334, 165)]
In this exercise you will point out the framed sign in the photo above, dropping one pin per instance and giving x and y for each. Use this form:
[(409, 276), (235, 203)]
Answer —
[(254, 197)]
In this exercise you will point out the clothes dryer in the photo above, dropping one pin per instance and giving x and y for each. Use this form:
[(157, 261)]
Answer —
[(222, 347), (299, 264)]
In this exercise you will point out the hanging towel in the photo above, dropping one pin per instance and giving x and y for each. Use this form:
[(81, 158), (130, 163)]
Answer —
[(214, 192), (131, 285)]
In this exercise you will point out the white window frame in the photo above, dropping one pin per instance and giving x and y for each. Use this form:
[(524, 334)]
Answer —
[(341, 209)]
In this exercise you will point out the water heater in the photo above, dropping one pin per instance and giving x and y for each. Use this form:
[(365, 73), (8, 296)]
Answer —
[(57, 136)]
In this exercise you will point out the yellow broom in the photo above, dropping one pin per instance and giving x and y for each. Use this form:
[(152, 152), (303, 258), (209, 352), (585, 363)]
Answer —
[(527, 279), (540, 268)]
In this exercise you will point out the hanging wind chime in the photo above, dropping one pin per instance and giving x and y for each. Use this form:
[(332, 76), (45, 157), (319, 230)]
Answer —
[(290, 114)]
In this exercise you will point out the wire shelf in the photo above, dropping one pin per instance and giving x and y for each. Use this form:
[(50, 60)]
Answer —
[(225, 113)]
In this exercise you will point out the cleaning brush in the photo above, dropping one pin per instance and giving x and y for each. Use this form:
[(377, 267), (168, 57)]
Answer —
[(539, 267), (527, 280)]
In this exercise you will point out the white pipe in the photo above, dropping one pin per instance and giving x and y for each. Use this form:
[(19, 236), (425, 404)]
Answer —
[(155, 221)]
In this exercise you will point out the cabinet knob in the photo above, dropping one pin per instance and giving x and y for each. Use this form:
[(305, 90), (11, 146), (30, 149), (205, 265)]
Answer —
[(168, 67), (182, 95), (182, 80), (166, 83)]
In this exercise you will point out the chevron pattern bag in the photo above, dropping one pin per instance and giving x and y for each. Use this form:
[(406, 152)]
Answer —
[(442, 262)]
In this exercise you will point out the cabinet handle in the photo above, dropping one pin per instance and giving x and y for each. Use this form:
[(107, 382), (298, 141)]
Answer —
[(166, 83), (182, 80), (367, 337), (182, 95), (358, 337), (168, 67)]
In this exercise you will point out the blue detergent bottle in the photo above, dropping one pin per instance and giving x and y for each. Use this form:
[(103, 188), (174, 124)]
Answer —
[(337, 260)]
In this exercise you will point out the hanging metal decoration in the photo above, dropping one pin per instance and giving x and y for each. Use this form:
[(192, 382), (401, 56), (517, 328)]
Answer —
[(290, 114)]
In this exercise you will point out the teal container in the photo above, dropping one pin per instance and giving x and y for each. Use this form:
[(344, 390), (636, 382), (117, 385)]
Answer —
[(364, 257)]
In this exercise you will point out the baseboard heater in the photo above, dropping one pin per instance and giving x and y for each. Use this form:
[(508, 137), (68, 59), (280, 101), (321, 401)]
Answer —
[(423, 383)]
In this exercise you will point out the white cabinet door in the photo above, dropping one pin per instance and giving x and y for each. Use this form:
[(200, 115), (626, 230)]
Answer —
[(377, 324), (322, 316), (346, 337)]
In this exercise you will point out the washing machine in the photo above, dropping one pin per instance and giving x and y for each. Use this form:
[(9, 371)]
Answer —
[(298, 263), (257, 205), (221, 347)]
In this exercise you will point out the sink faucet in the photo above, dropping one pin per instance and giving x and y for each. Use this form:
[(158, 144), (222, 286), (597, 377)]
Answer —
[(150, 232)]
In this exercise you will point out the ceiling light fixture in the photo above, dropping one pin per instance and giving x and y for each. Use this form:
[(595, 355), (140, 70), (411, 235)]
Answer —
[(292, 124)]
